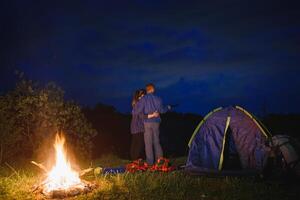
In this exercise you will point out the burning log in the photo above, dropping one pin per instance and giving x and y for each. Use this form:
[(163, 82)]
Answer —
[(63, 193), (62, 180)]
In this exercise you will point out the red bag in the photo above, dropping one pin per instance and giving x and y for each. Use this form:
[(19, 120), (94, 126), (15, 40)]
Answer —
[(162, 165)]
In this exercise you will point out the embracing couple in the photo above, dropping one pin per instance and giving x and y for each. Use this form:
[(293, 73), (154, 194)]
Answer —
[(146, 110)]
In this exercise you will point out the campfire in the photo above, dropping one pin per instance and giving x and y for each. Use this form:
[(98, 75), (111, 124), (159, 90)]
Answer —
[(62, 180)]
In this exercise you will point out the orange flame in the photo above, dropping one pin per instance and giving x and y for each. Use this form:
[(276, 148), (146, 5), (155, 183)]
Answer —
[(61, 176)]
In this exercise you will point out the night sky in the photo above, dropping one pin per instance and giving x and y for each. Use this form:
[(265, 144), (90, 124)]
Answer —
[(200, 54)]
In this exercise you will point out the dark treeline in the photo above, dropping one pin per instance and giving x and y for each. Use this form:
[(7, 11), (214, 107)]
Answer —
[(176, 129), (288, 124), (114, 131), (31, 114)]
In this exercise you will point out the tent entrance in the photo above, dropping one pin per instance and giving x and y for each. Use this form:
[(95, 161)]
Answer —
[(231, 159)]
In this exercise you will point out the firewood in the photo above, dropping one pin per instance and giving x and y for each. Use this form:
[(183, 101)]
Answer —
[(85, 171), (15, 172), (42, 167)]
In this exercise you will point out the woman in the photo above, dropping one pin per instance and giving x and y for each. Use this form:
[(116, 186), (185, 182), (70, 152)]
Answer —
[(137, 127)]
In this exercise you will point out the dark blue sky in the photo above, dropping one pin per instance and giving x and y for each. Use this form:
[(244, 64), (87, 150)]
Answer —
[(200, 54)]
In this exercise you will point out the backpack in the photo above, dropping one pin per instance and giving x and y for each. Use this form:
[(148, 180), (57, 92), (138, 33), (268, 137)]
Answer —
[(287, 150)]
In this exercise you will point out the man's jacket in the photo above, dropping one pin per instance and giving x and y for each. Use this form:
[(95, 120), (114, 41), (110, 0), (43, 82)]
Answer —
[(149, 104)]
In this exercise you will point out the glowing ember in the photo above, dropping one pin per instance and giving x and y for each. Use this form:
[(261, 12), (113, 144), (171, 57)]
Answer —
[(62, 176)]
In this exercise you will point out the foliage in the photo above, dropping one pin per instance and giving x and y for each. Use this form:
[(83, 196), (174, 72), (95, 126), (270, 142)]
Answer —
[(113, 128), (31, 114)]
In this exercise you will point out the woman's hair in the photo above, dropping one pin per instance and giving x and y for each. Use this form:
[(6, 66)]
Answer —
[(137, 95)]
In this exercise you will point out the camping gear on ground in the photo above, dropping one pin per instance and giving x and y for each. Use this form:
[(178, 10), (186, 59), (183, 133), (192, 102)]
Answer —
[(228, 141), (113, 170), (137, 165), (108, 170), (162, 165), (287, 152)]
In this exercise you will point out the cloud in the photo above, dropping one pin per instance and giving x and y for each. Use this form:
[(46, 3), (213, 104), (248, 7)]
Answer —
[(107, 49)]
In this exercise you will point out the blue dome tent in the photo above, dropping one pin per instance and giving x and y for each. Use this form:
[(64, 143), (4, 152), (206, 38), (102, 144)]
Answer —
[(228, 140)]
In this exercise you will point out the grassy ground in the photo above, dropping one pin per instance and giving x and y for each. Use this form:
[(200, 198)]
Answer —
[(175, 185)]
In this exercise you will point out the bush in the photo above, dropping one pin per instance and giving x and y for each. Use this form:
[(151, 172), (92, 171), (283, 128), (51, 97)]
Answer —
[(31, 114)]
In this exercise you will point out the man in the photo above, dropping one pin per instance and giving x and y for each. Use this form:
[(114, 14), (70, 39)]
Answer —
[(149, 104)]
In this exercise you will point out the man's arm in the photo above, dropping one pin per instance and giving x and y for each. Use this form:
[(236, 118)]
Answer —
[(162, 108), (152, 115)]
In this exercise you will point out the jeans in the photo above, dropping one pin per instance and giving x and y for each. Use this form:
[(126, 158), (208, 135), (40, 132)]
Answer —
[(151, 137)]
